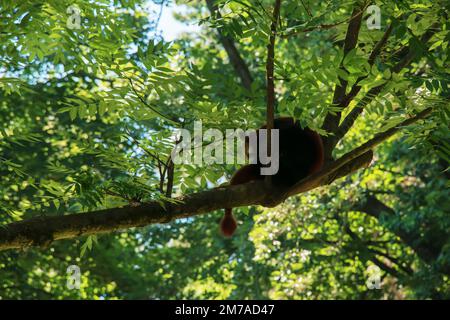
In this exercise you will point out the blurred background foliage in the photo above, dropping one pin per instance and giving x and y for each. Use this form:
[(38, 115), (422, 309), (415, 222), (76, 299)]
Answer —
[(86, 113)]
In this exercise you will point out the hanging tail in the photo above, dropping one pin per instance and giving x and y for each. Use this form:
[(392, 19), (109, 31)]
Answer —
[(228, 224)]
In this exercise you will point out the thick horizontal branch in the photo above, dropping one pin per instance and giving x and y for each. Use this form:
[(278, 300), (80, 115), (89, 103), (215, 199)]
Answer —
[(42, 231)]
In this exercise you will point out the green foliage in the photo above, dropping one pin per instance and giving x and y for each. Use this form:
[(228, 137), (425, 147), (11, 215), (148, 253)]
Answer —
[(87, 122)]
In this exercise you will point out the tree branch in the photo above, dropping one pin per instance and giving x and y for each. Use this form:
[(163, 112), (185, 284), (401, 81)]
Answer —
[(149, 106), (405, 268), (359, 242), (324, 26), (375, 52), (238, 63), (270, 113), (358, 109), (354, 114), (308, 11), (41, 231), (317, 27), (270, 66), (392, 271), (170, 176), (428, 252), (44, 230), (351, 39)]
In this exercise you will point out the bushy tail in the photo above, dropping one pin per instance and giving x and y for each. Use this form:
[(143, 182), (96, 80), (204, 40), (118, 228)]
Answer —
[(228, 224)]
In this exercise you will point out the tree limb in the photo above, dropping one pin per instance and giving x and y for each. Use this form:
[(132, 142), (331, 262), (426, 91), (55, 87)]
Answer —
[(360, 243), (324, 26), (405, 268), (308, 11), (383, 266), (348, 122), (41, 231), (334, 139), (351, 39), (428, 252), (270, 69), (238, 63), (375, 52), (270, 87)]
